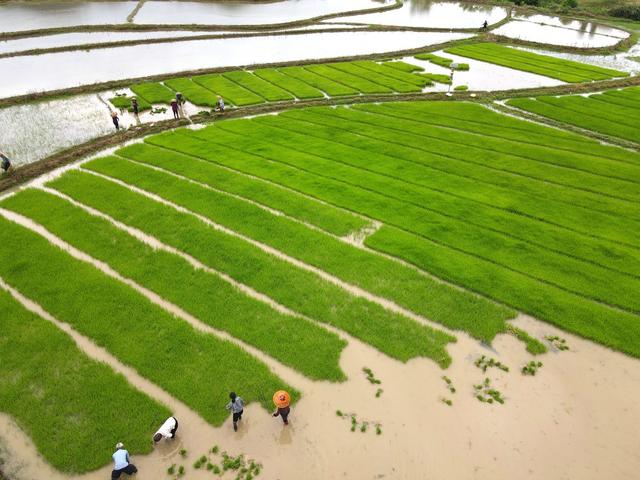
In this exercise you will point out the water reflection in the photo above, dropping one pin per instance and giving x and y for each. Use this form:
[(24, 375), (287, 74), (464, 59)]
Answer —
[(68, 69), (427, 13)]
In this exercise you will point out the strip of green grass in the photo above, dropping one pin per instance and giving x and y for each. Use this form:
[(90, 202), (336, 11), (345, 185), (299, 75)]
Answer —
[(230, 91), (435, 300), (497, 208), (297, 88), (569, 311), (450, 152), (437, 78), (193, 92), (352, 81), (611, 99), (609, 327), (403, 66), (324, 84), (382, 69), (293, 204), (302, 291), (197, 368), (203, 295), (260, 87), (69, 405), (124, 103), (591, 108), (594, 123), (391, 83), (474, 235), (441, 61), (564, 70), (153, 92)]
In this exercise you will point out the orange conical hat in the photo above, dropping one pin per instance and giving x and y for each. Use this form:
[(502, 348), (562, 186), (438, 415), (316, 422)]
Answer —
[(281, 399)]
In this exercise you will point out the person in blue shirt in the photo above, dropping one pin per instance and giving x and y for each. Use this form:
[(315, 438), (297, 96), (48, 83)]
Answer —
[(121, 463), (236, 406)]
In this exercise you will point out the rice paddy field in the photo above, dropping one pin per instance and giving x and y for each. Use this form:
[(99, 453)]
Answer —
[(432, 249)]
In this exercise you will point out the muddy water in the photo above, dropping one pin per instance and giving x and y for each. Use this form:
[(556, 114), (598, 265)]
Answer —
[(553, 35), (68, 69), (581, 403), (483, 76), (579, 25), (19, 16), (245, 13), (421, 13)]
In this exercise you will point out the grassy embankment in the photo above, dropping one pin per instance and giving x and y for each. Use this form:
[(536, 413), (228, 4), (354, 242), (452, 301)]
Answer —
[(297, 289), (500, 253), (560, 69), (204, 295), (197, 368), (613, 113), (69, 405)]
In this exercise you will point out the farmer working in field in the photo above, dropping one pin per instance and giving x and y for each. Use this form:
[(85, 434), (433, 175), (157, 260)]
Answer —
[(236, 406), (220, 104), (167, 430), (5, 163), (282, 401), (115, 120), (121, 463), (174, 109)]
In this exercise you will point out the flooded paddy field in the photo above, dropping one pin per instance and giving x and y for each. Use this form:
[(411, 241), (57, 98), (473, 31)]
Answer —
[(435, 265)]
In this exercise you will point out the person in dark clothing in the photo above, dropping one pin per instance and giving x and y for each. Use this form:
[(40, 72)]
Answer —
[(121, 463), (236, 405), (174, 108), (5, 163), (134, 106), (115, 120), (485, 25), (219, 105), (180, 98), (284, 413)]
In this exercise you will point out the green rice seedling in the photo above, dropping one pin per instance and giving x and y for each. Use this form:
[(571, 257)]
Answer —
[(403, 66), (158, 110), (200, 462), (277, 278), (322, 83), (202, 294), (326, 217), (333, 72), (257, 85), (534, 346), (216, 470), (484, 362), (210, 466), (35, 355), (181, 471), (299, 89), (379, 392), (183, 453), (370, 376), (123, 102), (378, 429), (442, 61), (339, 413), (33, 265), (437, 77), (486, 394), (363, 427), (531, 368), (232, 463), (449, 383), (560, 69), (557, 342), (389, 82), (215, 449), (153, 92), (229, 90), (193, 92), (172, 469), (461, 88), (447, 401)]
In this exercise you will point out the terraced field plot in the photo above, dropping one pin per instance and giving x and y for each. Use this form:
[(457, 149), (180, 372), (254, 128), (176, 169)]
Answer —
[(613, 113), (565, 70)]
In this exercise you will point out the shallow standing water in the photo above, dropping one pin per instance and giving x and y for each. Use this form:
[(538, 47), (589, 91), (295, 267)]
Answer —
[(60, 70), (420, 13)]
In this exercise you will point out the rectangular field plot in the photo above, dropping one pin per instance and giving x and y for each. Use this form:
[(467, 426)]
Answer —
[(257, 85), (564, 70), (614, 113), (153, 92), (299, 89), (229, 90), (68, 420), (193, 92)]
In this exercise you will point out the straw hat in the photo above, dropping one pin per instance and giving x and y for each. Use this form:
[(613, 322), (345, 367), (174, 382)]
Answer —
[(281, 399)]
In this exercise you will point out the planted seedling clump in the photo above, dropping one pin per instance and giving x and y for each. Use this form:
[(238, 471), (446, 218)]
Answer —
[(531, 368), (557, 342), (486, 394), (370, 376), (363, 425), (484, 363)]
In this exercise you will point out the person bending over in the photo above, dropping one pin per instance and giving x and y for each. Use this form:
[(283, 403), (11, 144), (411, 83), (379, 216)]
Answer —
[(167, 430), (121, 463)]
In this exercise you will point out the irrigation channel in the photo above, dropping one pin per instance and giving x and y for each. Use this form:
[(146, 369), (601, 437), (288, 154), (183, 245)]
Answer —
[(410, 221)]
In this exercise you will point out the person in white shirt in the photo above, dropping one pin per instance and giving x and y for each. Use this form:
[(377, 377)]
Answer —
[(167, 430), (121, 463)]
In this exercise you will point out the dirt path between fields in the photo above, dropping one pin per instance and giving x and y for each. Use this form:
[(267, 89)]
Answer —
[(577, 418)]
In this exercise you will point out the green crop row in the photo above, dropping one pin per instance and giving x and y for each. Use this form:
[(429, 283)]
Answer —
[(74, 423), (591, 114), (298, 88), (387, 81), (228, 89), (326, 217), (564, 70), (195, 93), (442, 61), (437, 78), (297, 289), (123, 102), (374, 273), (257, 85), (167, 351), (403, 66), (308, 174), (153, 92), (481, 235), (203, 295)]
